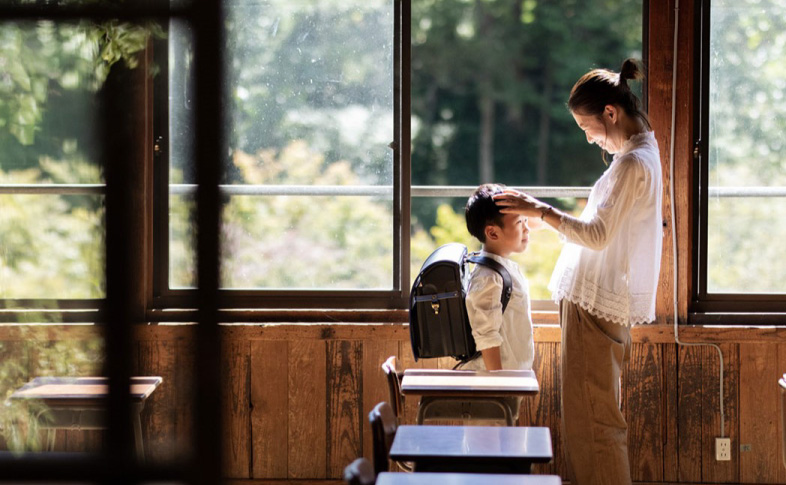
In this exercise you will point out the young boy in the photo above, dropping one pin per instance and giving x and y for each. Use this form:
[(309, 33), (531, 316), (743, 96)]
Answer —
[(504, 339)]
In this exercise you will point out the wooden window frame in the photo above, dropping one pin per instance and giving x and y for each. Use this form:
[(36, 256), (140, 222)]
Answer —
[(123, 97), (706, 307)]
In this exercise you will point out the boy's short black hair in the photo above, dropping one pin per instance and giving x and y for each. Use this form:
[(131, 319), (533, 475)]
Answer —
[(482, 211)]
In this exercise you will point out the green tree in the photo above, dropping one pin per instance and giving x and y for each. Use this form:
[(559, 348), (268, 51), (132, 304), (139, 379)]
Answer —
[(489, 85)]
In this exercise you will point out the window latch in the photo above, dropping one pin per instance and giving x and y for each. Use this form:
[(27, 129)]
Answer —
[(158, 146), (696, 149)]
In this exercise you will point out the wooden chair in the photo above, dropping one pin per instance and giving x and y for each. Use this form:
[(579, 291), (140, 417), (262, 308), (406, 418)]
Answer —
[(394, 387), (383, 430), (360, 472)]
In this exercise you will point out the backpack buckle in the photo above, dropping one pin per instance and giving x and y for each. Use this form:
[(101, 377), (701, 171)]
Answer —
[(435, 306)]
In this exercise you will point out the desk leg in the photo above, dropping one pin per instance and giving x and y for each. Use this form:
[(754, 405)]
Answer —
[(425, 404), (51, 434), (140, 447), (421, 411), (508, 414)]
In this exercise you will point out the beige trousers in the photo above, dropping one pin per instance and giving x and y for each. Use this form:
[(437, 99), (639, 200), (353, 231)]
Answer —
[(594, 430)]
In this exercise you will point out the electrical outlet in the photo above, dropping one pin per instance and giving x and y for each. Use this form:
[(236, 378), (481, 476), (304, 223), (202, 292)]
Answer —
[(722, 449)]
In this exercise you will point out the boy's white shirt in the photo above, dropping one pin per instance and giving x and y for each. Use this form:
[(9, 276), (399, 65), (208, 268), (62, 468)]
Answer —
[(511, 331)]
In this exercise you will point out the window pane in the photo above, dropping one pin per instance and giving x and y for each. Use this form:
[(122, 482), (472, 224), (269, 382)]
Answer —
[(536, 263), (312, 92), (489, 85), (311, 105), (746, 147), (51, 245), (344, 244), (182, 205)]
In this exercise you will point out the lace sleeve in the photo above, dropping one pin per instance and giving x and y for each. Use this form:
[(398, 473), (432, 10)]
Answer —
[(617, 196)]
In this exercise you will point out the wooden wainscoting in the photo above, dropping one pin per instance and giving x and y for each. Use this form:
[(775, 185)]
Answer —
[(297, 397)]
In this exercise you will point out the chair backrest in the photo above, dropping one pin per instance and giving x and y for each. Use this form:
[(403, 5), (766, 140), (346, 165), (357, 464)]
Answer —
[(383, 430), (360, 472), (394, 386)]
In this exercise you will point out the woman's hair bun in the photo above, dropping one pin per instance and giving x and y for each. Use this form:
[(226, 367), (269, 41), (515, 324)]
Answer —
[(631, 69)]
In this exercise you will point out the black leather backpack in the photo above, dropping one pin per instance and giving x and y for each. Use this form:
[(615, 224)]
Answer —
[(438, 321)]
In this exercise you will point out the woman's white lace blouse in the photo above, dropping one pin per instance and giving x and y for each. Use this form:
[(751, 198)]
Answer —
[(611, 261)]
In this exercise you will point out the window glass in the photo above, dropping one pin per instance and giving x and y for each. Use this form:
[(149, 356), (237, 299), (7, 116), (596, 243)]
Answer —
[(746, 156), (51, 243), (311, 107), (489, 85)]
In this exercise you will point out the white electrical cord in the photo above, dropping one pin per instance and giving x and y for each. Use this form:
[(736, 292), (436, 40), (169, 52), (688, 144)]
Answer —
[(673, 220)]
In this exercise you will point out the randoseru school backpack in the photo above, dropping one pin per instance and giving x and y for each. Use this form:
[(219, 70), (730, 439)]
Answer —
[(438, 321)]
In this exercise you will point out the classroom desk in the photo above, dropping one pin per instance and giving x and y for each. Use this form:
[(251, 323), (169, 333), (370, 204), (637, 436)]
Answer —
[(472, 449), (79, 403), (389, 478), (435, 385)]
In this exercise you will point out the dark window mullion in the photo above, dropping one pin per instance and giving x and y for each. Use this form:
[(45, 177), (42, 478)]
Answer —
[(209, 39)]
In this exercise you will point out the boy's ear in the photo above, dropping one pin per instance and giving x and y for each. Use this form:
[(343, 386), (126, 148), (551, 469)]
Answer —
[(491, 232)]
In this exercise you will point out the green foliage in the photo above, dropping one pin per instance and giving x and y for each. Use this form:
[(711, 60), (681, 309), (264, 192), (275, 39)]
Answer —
[(21, 421), (46, 59), (300, 241), (52, 245), (536, 263), (523, 57)]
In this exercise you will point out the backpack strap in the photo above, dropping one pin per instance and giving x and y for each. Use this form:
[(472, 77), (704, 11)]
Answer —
[(507, 282)]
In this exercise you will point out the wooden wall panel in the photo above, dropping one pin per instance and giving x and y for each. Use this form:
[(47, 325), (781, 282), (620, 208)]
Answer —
[(344, 428), (760, 425), (780, 370), (407, 361), (159, 358), (643, 391), (307, 421), (712, 470), (182, 379), (689, 419), (307, 395), (670, 444), (269, 376), (235, 390), (544, 409), (374, 385)]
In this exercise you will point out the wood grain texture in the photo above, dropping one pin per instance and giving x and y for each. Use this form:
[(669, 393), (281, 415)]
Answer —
[(407, 361), (659, 92), (712, 470), (375, 388), (670, 444), (643, 391), (159, 358), (344, 388), (779, 371), (302, 401), (760, 426), (183, 380), (689, 420), (307, 406), (235, 389), (269, 408), (683, 156), (544, 409)]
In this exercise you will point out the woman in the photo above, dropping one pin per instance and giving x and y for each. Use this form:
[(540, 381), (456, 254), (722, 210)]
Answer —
[(607, 274)]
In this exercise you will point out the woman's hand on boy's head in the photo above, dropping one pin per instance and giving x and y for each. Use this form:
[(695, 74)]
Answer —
[(515, 202)]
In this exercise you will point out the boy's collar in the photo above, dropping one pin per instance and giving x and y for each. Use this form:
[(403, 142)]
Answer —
[(495, 256)]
